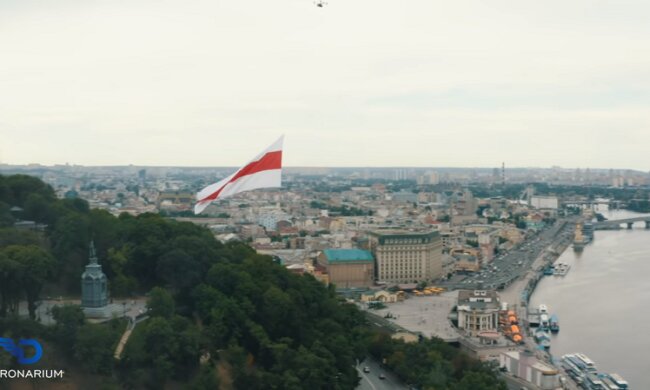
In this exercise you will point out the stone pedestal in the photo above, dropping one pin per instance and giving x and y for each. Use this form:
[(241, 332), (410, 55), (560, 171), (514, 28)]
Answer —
[(108, 311)]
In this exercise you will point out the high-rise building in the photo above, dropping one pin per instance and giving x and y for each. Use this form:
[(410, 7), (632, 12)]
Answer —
[(405, 256)]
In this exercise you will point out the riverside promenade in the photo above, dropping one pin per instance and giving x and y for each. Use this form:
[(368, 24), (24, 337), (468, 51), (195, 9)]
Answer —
[(518, 293)]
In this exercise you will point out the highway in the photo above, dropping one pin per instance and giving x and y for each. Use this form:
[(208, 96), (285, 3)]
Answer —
[(508, 267), (371, 381)]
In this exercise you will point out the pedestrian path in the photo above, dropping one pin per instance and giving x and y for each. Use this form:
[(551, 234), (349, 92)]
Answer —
[(125, 336)]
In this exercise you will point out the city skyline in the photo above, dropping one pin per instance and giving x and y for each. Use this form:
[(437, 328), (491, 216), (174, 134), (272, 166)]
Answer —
[(351, 84), (421, 169)]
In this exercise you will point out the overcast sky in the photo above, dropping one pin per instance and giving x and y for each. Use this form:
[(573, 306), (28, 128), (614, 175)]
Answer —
[(355, 83)]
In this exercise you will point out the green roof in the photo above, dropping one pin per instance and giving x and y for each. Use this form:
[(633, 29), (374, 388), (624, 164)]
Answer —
[(347, 255)]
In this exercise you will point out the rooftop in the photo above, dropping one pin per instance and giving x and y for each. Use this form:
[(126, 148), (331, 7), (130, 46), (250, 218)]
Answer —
[(345, 255), (400, 232), (401, 237)]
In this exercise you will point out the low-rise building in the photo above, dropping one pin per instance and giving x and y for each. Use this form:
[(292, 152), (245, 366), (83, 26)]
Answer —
[(183, 199), (383, 296), (544, 202), (534, 222), (348, 267), (527, 367), (478, 311), (466, 262)]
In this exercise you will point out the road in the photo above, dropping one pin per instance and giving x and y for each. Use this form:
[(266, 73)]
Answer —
[(508, 267), (371, 381)]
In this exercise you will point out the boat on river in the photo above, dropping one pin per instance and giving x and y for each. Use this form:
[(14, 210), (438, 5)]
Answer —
[(561, 269), (554, 324), (543, 338)]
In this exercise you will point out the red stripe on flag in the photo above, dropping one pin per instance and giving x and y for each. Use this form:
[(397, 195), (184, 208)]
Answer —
[(270, 161)]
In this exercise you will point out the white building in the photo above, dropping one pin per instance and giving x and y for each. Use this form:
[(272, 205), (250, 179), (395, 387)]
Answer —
[(269, 218), (478, 311), (527, 367), (544, 202)]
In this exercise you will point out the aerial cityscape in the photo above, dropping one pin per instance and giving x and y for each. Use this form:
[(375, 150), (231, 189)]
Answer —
[(455, 255), (324, 195)]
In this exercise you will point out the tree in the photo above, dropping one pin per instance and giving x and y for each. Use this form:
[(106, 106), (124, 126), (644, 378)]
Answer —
[(178, 270), (69, 238), (37, 268), (69, 318), (10, 236), (6, 219), (10, 283), (161, 344), (37, 208), (18, 187), (116, 270), (207, 379), (94, 346), (161, 303), (480, 381)]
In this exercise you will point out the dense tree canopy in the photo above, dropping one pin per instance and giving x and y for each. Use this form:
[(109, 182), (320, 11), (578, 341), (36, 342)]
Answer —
[(433, 364)]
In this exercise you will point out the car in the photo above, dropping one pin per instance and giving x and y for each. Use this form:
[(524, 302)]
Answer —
[(382, 376), (366, 369)]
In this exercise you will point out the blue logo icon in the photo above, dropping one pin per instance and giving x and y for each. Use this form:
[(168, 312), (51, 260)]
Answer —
[(19, 353)]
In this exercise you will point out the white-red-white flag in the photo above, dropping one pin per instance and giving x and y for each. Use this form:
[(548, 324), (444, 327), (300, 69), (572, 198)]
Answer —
[(264, 171)]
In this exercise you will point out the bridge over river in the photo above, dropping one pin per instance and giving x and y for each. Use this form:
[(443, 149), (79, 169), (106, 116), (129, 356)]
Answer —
[(616, 223)]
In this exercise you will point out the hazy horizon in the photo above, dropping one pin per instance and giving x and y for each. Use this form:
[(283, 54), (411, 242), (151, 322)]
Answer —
[(323, 167)]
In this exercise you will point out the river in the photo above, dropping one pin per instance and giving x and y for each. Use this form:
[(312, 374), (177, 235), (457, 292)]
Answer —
[(603, 303)]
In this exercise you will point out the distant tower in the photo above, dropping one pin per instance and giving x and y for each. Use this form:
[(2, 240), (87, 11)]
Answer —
[(94, 291), (503, 174), (530, 191)]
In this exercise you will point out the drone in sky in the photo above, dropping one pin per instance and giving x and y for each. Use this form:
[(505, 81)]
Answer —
[(320, 3)]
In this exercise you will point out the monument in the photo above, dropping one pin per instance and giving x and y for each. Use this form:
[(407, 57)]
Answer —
[(94, 290)]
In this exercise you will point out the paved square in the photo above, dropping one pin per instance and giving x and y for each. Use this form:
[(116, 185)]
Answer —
[(427, 314)]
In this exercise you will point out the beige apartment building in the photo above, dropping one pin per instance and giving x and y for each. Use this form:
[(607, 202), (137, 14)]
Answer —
[(405, 256)]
